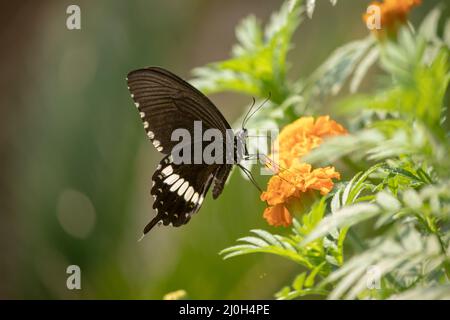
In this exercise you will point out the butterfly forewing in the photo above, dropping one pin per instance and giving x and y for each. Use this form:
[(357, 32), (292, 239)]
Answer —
[(167, 102)]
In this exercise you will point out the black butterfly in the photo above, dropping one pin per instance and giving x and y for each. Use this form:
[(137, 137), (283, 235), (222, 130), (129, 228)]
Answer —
[(165, 103)]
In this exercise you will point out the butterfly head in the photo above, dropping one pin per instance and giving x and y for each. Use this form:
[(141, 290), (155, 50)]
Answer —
[(241, 144), (242, 134)]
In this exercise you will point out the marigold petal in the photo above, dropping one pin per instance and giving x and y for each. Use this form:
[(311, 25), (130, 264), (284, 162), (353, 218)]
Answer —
[(278, 216), (300, 137)]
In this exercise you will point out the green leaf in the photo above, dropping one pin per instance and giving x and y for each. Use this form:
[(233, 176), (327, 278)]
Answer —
[(447, 33), (249, 36), (258, 64), (330, 77), (255, 241), (386, 254), (345, 217), (337, 147), (309, 282), (363, 67), (434, 292), (299, 281), (387, 201), (267, 236), (429, 27)]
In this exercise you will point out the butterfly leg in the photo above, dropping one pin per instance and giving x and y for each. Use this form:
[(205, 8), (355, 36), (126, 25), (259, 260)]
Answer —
[(249, 176)]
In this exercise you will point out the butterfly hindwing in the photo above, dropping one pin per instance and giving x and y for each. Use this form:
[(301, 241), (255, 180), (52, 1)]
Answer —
[(179, 190)]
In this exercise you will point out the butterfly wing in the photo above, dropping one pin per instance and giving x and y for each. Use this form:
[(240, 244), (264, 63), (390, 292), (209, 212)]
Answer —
[(167, 102), (179, 190)]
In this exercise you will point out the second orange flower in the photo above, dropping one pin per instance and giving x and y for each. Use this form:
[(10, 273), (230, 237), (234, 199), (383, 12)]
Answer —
[(297, 183)]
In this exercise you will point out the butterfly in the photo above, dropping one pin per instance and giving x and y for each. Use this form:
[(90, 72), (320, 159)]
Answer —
[(166, 103)]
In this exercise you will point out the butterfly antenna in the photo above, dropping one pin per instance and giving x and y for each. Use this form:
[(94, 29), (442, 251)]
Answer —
[(248, 111), (256, 110)]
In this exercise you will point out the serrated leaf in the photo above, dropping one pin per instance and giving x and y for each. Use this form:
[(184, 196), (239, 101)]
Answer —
[(412, 199), (299, 281), (309, 282), (266, 236), (363, 67), (387, 201), (429, 25), (447, 33), (310, 6), (254, 241), (345, 217), (336, 202), (331, 76), (436, 292), (239, 247)]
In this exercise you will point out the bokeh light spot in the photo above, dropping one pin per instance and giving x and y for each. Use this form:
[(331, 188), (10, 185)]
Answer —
[(76, 213)]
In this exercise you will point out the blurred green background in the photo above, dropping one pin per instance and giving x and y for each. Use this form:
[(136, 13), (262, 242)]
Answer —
[(76, 165)]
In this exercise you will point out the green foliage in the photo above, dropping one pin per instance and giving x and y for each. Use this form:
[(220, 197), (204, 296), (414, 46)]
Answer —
[(391, 214), (319, 256), (310, 256), (258, 67), (419, 81), (331, 76), (258, 64)]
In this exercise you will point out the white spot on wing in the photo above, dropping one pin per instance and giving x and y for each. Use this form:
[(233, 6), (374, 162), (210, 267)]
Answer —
[(167, 171), (194, 198), (189, 193), (136, 104), (145, 124), (176, 185), (170, 180), (183, 188), (150, 134), (156, 143), (159, 148), (142, 114)]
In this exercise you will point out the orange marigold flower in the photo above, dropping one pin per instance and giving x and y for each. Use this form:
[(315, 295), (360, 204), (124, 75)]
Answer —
[(394, 13), (296, 184), (292, 187), (300, 137)]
